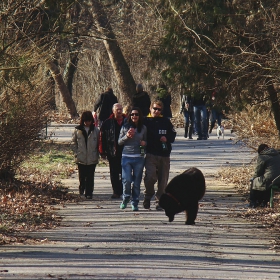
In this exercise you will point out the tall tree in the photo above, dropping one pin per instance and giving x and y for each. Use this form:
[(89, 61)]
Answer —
[(80, 23), (34, 28), (57, 76), (123, 75)]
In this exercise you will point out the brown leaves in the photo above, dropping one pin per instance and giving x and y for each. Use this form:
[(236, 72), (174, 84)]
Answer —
[(28, 206)]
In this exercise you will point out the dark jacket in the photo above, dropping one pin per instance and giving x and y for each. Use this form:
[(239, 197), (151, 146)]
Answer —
[(157, 127), (187, 99), (109, 136), (166, 106), (142, 101), (200, 99), (105, 104), (267, 168)]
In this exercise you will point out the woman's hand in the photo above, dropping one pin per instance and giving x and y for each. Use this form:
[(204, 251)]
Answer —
[(130, 133)]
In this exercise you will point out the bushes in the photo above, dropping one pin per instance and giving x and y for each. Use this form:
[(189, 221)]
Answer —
[(22, 117)]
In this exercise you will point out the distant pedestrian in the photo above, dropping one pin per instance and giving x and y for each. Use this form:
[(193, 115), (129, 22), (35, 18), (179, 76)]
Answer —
[(216, 110), (141, 100), (187, 110), (160, 135), (109, 147), (133, 137), (85, 138), (165, 97), (103, 105), (200, 115)]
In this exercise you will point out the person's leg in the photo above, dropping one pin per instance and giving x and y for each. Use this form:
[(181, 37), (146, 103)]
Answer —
[(253, 198), (150, 179), (219, 118), (197, 120), (119, 186), (82, 178), (90, 170), (137, 175), (213, 120), (191, 126), (115, 174), (126, 177), (163, 175), (265, 198), (186, 117), (204, 122)]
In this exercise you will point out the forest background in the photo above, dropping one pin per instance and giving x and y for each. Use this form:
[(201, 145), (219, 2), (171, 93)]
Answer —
[(56, 57)]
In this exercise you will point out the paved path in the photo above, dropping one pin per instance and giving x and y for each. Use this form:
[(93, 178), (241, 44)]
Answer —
[(100, 241)]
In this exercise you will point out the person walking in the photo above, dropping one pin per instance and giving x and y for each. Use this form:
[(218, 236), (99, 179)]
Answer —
[(267, 169), (141, 100), (85, 138), (200, 115), (104, 105), (160, 135), (216, 111), (110, 149), (187, 110), (133, 138)]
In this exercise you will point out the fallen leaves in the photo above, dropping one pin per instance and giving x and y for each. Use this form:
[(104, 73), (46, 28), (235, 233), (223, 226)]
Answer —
[(29, 206)]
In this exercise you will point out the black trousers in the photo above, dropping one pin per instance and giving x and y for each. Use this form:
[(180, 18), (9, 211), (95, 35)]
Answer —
[(116, 174), (86, 178), (258, 197)]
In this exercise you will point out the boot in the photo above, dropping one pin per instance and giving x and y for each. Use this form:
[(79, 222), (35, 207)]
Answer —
[(190, 132), (186, 132), (211, 127)]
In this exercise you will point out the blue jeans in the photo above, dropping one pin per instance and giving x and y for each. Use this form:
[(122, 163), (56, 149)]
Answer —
[(200, 118), (132, 171)]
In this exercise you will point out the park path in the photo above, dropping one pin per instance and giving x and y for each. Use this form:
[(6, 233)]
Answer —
[(97, 240)]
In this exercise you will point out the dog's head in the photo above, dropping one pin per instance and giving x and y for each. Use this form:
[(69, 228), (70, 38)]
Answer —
[(170, 206)]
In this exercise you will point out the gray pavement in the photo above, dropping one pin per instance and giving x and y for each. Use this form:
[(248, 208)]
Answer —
[(97, 240)]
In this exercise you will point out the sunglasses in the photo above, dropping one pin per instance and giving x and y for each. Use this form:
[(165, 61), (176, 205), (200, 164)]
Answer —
[(157, 109), (134, 114)]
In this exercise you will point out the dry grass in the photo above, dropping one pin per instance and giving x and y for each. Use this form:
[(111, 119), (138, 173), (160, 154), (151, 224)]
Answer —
[(254, 127)]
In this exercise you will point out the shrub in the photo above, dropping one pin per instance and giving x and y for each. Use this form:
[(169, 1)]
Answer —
[(22, 117)]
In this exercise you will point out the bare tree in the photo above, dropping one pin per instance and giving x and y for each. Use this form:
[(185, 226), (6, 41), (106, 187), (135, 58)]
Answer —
[(57, 76), (123, 75)]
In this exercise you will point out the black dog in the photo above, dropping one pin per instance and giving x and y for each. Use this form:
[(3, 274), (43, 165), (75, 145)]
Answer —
[(182, 194)]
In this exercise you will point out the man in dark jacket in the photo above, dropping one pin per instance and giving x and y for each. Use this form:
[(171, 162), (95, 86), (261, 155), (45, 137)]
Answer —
[(160, 135), (141, 100), (267, 169), (108, 147), (104, 104)]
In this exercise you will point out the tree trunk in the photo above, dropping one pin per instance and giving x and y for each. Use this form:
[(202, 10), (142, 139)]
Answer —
[(63, 89), (275, 106), (51, 89), (124, 78), (70, 70)]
